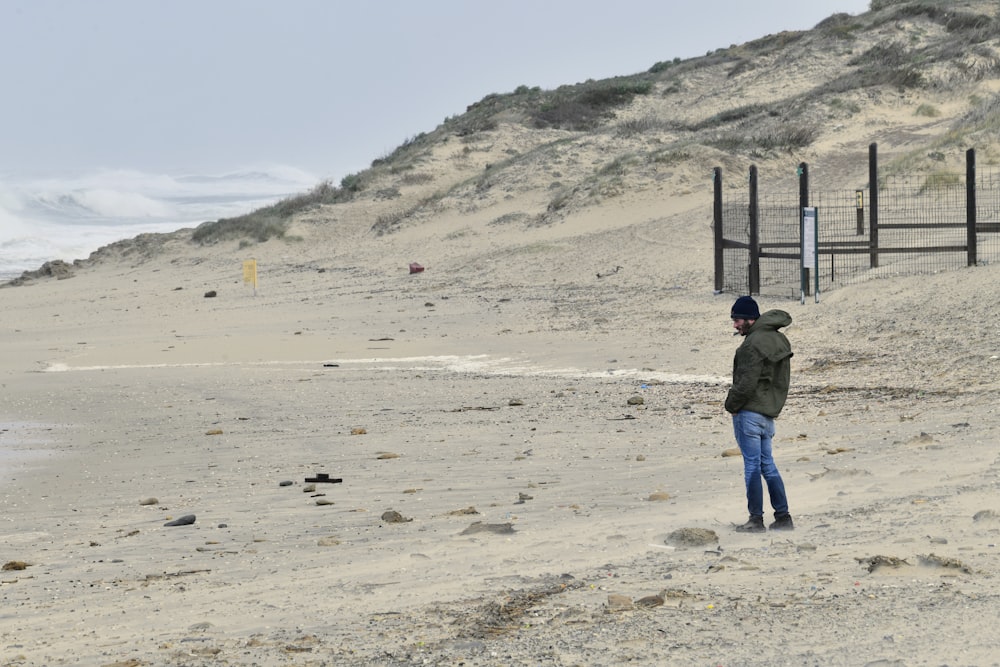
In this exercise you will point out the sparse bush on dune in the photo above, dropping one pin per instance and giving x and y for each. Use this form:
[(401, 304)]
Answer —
[(978, 26), (840, 25), (482, 116), (642, 125), (969, 38), (584, 106), (663, 65), (931, 45), (839, 104), (775, 42), (883, 65), (256, 226), (741, 66), (977, 127), (879, 5), (405, 152), (728, 116), (619, 166), (272, 221), (984, 115), (386, 221), (671, 156), (417, 178), (784, 137), (973, 27)]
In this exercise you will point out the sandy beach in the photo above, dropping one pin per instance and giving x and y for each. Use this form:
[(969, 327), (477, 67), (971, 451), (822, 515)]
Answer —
[(537, 472), (534, 460)]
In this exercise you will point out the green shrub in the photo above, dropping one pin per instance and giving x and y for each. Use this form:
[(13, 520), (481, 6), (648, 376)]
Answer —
[(642, 125), (508, 218), (741, 66), (584, 106), (731, 116), (882, 65), (927, 110), (839, 104), (481, 116), (663, 65), (879, 5), (269, 221), (352, 182), (775, 41), (417, 178), (840, 26), (670, 156), (782, 137), (387, 193), (386, 221), (253, 226), (618, 166), (404, 151)]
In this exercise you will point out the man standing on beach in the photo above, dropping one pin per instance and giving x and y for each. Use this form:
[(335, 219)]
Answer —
[(761, 374)]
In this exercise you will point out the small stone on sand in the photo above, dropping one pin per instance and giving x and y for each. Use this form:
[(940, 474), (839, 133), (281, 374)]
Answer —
[(185, 520)]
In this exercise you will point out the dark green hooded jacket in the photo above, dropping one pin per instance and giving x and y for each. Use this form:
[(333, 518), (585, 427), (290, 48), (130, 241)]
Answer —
[(762, 367)]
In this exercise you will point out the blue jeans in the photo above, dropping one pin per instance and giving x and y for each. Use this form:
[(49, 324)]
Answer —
[(754, 432)]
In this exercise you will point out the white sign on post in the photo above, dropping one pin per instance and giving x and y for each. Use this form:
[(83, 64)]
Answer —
[(810, 255)]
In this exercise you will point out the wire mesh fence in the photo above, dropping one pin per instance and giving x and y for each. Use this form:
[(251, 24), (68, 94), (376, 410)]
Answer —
[(917, 224)]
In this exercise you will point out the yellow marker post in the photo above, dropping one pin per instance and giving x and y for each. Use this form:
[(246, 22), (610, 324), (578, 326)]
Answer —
[(250, 274)]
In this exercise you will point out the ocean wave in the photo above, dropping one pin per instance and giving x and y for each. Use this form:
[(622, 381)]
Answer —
[(69, 216)]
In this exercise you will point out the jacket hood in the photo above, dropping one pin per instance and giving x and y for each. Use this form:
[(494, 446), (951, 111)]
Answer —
[(772, 319)]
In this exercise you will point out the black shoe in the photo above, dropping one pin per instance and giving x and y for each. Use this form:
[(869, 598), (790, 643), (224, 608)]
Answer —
[(782, 523), (754, 525)]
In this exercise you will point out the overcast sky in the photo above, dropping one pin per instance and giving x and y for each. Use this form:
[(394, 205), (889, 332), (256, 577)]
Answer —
[(208, 86)]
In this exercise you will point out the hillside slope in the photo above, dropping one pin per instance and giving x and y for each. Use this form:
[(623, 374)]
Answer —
[(919, 78)]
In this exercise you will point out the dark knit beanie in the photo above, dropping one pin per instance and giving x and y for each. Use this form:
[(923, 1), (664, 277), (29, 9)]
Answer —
[(745, 308)]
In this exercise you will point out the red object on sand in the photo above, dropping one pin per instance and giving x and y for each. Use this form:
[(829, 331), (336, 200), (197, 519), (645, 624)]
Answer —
[(415, 268)]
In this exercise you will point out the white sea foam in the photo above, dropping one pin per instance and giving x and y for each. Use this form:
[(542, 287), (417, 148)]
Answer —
[(476, 363), (68, 217)]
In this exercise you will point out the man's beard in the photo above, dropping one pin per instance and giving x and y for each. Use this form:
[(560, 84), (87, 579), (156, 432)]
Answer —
[(744, 329)]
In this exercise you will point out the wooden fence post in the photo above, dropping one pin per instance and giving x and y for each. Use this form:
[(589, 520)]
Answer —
[(970, 206), (873, 204), (720, 269), (753, 276), (803, 203)]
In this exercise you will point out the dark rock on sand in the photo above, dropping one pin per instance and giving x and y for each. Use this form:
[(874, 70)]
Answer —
[(185, 520), (392, 516), (496, 528), (648, 601)]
